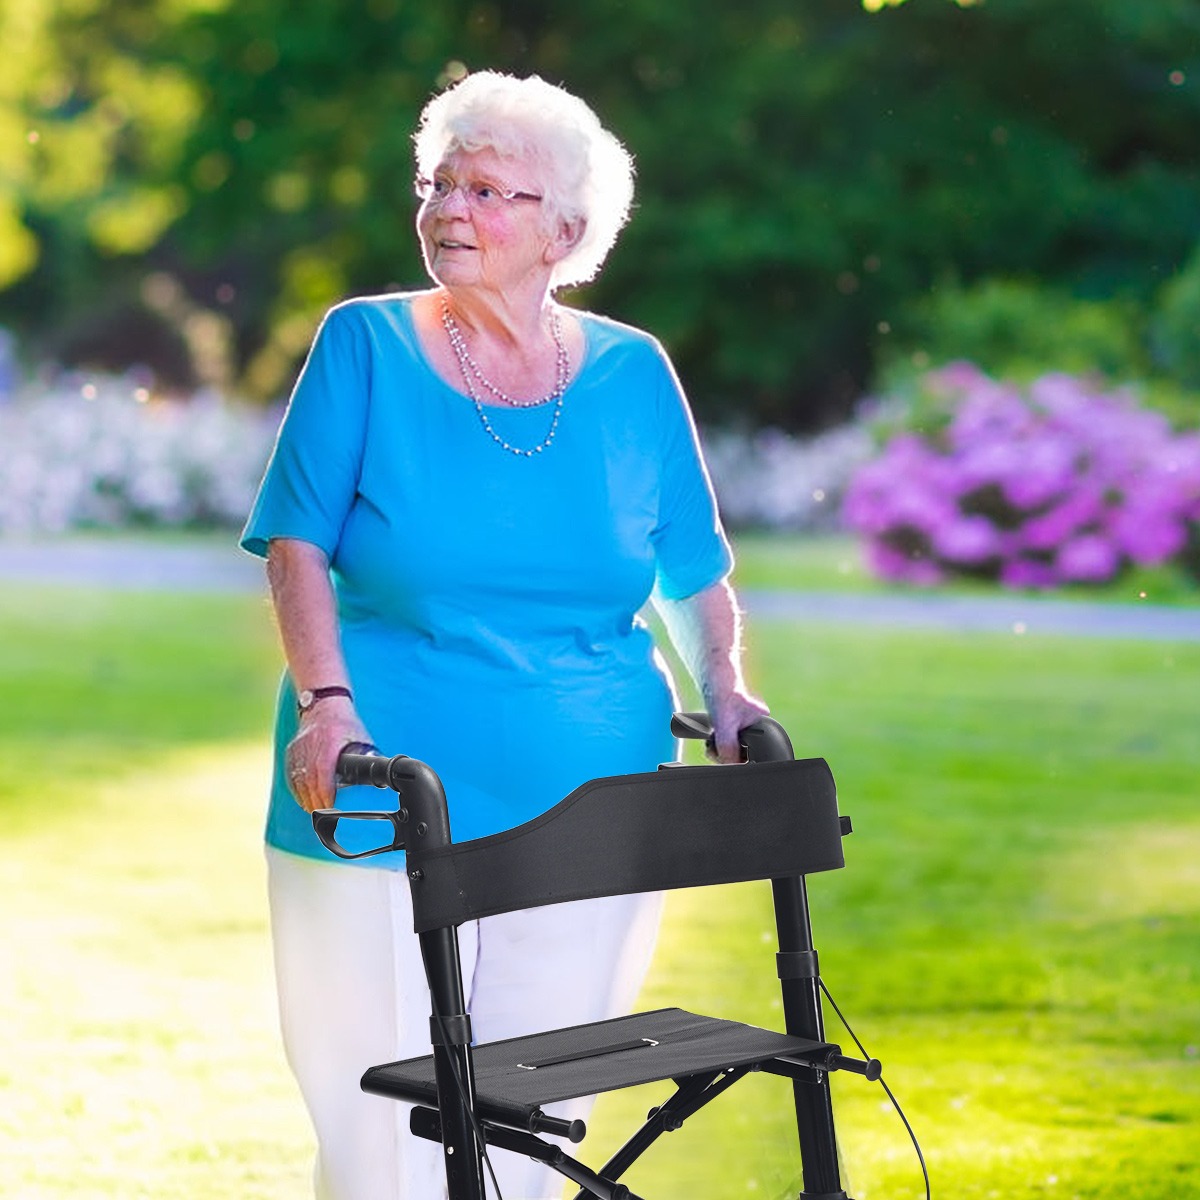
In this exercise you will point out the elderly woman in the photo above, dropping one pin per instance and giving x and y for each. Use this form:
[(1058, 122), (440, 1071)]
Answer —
[(474, 492)]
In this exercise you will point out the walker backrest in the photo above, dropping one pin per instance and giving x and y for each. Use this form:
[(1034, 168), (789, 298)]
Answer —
[(673, 828)]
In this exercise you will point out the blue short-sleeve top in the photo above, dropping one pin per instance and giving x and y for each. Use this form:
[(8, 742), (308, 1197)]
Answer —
[(487, 601)]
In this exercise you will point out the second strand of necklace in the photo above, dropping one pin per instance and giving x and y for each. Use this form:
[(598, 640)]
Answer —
[(472, 373)]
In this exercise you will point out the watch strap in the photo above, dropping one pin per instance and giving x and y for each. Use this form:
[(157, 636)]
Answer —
[(307, 697)]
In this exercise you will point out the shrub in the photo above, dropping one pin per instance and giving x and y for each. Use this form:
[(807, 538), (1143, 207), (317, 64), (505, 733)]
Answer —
[(1019, 329), (102, 453), (1055, 482), (1175, 326)]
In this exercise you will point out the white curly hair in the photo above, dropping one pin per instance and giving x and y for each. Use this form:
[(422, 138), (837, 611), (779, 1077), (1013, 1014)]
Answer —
[(584, 171)]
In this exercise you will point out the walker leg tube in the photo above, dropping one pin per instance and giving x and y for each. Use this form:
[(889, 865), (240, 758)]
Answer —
[(453, 1070), (802, 1016)]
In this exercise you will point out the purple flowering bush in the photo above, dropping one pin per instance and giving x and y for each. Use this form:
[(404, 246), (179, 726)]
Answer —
[(1061, 481)]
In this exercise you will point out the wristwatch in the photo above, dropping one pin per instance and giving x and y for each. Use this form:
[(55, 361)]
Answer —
[(309, 696)]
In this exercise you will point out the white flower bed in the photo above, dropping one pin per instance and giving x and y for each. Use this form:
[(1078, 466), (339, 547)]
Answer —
[(99, 452), (769, 479)]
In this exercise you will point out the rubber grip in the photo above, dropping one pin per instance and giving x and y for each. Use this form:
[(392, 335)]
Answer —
[(359, 763), (765, 740)]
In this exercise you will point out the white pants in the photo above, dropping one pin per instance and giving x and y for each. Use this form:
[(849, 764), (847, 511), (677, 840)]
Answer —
[(352, 994)]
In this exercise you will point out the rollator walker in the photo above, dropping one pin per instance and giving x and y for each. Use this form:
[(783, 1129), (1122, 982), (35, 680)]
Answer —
[(682, 826)]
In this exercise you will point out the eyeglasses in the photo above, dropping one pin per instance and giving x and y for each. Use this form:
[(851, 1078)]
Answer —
[(478, 193)]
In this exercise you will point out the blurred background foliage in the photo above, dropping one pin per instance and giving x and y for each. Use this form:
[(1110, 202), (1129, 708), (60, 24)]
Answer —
[(830, 192)]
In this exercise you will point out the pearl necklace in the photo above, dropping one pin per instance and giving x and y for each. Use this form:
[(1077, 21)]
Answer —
[(471, 374)]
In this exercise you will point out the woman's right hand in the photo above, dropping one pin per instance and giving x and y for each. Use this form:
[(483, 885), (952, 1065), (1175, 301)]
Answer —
[(311, 756)]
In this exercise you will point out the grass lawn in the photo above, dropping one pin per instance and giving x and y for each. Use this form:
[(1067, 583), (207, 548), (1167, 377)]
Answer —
[(141, 1052), (835, 563), (1016, 935)]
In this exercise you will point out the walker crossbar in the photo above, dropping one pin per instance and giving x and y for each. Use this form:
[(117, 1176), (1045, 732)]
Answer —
[(427, 1123), (771, 818)]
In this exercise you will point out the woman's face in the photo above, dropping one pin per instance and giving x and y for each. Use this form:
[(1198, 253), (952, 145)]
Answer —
[(499, 248)]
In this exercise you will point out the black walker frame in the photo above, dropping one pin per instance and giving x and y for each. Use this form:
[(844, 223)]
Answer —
[(771, 818)]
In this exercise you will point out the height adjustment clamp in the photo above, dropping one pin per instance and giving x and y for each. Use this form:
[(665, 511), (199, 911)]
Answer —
[(797, 964)]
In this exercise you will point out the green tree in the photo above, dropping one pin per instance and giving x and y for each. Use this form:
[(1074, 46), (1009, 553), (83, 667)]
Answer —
[(806, 172)]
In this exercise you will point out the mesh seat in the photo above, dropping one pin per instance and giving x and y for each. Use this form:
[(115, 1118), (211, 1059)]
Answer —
[(516, 1077)]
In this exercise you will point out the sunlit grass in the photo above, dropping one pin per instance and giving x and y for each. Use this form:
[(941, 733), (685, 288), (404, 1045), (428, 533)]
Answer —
[(141, 1056), (1015, 934), (141, 1053)]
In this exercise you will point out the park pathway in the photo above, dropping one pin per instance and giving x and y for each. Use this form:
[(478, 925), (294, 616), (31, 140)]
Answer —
[(149, 564), (1015, 613)]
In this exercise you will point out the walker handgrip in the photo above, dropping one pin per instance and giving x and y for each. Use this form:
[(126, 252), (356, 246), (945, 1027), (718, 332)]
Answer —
[(325, 822), (697, 726), (763, 741), (355, 767)]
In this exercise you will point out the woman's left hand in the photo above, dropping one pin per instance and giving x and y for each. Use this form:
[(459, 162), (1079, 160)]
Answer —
[(706, 630), (731, 714)]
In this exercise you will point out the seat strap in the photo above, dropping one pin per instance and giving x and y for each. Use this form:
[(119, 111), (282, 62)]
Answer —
[(575, 1056)]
